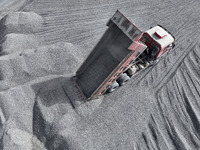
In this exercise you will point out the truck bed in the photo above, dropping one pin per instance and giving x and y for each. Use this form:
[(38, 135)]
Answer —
[(109, 52)]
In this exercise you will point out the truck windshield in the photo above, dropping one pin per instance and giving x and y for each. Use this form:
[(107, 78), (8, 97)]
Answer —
[(146, 38), (155, 48)]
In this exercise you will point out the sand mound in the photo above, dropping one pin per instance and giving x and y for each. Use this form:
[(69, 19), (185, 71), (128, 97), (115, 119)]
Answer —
[(26, 65), (57, 124), (17, 32), (21, 140), (16, 42), (51, 105), (26, 59), (21, 22)]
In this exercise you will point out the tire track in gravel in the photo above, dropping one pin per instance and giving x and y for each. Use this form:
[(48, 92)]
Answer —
[(177, 133), (184, 27), (171, 72), (167, 73), (159, 71), (81, 12), (175, 124)]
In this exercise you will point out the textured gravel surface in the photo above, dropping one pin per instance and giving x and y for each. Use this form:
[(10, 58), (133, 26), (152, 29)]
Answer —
[(40, 107)]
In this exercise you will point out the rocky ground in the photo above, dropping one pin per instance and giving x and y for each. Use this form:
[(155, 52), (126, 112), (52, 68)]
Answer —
[(43, 43)]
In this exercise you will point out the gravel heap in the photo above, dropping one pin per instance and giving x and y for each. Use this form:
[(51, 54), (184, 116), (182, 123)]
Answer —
[(44, 43)]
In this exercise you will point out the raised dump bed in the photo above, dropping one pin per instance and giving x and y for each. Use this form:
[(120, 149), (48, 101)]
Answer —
[(116, 50)]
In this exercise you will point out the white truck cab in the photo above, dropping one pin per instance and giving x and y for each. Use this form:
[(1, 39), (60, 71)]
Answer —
[(159, 40)]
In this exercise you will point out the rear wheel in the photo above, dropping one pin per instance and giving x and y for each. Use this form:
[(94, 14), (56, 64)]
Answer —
[(123, 78), (113, 87)]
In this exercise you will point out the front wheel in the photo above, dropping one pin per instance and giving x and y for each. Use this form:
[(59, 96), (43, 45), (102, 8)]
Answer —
[(154, 62)]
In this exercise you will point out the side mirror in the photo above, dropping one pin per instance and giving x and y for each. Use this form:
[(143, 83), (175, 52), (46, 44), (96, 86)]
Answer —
[(173, 45)]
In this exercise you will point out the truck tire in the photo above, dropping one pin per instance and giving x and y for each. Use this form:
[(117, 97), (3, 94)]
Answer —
[(123, 78), (113, 87), (156, 61)]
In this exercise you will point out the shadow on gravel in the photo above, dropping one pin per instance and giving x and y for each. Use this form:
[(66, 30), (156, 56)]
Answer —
[(45, 130), (57, 143), (57, 91), (1, 143), (51, 92), (51, 104), (58, 104), (1, 75)]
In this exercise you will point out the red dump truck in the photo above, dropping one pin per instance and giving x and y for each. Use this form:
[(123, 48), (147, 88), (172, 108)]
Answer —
[(123, 51)]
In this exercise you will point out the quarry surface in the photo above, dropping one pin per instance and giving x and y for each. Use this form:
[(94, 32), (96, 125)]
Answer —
[(44, 42)]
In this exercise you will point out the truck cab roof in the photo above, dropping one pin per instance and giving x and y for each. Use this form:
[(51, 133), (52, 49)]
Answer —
[(161, 36)]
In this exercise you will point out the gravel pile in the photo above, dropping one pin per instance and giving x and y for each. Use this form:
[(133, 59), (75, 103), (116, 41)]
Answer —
[(44, 43)]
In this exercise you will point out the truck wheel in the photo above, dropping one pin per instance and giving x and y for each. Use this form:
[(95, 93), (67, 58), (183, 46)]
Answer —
[(157, 60), (113, 87), (123, 78), (154, 62)]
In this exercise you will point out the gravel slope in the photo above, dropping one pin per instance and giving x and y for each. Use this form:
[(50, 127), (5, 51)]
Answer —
[(158, 109)]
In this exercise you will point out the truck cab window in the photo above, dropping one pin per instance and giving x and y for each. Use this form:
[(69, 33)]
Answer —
[(146, 38), (155, 48)]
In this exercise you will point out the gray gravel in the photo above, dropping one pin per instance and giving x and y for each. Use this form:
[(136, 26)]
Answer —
[(40, 107)]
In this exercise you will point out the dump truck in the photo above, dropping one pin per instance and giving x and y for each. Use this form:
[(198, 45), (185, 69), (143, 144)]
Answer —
[(123, 51)]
